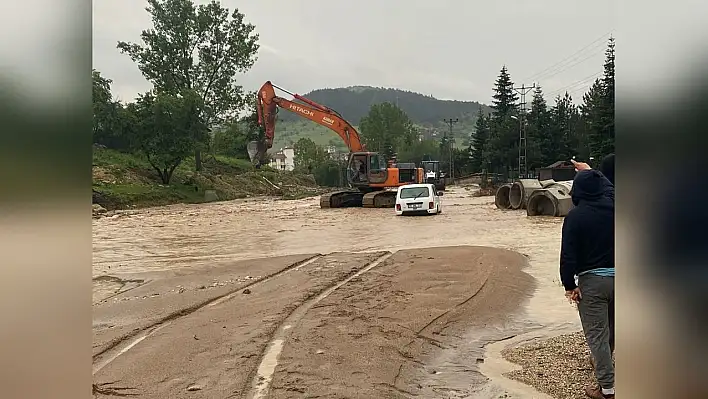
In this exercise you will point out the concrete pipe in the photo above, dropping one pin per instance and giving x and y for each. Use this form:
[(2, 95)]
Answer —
[(521, 190), (501, 198), (564, 186), (552, 201), (546, 183)]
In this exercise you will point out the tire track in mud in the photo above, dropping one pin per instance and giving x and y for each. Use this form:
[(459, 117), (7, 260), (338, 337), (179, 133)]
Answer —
[(269, 360), (120, 282), (128, 341), (216, 352), (413, 327)]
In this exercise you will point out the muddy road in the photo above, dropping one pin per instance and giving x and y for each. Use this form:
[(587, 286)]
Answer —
[(347, 295)]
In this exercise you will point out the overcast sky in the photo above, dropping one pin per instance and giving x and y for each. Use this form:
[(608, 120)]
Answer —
[(451, 49)]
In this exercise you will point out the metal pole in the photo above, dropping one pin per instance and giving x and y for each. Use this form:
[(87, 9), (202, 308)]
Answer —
[(450, 122), (523, 90)]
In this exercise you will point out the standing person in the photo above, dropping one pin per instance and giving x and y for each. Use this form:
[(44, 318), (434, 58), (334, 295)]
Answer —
[(607, 168), (588, 251)]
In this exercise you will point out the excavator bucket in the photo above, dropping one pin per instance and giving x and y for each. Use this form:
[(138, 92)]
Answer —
[(256, 152)]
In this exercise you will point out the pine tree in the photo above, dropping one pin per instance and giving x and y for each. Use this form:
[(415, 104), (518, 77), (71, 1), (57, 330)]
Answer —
[(480, 141), (504, 137), (504, 98), (538, 135), (607, 143), (578, 141), (590, 112), (562, 130), (599, 109)]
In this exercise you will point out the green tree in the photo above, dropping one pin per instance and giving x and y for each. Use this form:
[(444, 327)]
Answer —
[(480, 142), (329, 173), (462, 161), (233, 139), (308, 155), (504, 138), (419, 151), (230, 141), (252, 130), (539, 136), (505, 97), (592, 119), (598, 110), (603, 136), (561, 145), (168, 127), (577, 139), (386, 129), (107, 113), (198, 49)]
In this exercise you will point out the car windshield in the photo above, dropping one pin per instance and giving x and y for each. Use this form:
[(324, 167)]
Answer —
[(414, 192)]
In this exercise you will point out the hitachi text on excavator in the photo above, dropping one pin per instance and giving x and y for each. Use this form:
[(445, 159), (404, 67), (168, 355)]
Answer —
[(368, 174)]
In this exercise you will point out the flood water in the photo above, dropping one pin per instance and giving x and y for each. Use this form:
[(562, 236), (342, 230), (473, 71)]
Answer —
[(183, 236)]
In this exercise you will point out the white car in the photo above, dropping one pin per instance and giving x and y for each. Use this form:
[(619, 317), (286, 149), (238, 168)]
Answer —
[(418, 199)]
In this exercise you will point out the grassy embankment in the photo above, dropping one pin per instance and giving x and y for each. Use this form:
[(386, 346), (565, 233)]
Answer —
[(123, 181)]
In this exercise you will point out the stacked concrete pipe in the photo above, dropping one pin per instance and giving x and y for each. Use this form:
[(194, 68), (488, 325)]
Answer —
[(552, 200), (520, 192), (501, 198)]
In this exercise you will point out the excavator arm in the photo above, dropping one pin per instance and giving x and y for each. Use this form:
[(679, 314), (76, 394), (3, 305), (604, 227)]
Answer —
[(268, 102)]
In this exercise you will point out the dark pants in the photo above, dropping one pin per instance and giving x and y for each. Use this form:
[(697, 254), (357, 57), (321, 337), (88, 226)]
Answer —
[(597, 314)]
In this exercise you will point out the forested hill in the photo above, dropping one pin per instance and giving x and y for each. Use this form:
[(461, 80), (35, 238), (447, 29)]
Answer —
[(353, 103)]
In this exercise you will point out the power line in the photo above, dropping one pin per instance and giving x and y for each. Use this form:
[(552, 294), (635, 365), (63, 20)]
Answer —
[(594, 43), (569, 66), (580, 89), (570, 62), (589, 79)]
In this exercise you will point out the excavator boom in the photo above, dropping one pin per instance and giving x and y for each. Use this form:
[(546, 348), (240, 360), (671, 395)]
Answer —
[(268, 102)]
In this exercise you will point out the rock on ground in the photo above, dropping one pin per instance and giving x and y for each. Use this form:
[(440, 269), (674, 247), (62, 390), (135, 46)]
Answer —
[(559, 366), (97, 210)]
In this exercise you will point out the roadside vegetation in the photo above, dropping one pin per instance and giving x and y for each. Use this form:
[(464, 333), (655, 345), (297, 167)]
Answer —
[(185, 139), (124, 180)]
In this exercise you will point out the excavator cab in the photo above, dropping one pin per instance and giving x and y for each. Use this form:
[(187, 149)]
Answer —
[(365, 168)]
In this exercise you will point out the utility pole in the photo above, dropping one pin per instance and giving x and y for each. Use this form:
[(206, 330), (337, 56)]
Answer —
[(338, 157), (523, 90), (450, 122)]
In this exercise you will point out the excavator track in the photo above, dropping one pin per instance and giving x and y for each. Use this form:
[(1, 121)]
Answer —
[(342, 199), (380, 199)]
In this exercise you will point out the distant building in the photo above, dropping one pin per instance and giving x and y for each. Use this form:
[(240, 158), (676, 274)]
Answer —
[(335, 154), (289, 153), (283, 159), (277, 161), (558, 171)]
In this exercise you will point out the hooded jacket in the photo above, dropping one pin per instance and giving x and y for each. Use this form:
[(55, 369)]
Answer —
[(588, 238)]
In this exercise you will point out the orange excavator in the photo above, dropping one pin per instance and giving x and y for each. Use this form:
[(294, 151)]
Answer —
[(369, 175)]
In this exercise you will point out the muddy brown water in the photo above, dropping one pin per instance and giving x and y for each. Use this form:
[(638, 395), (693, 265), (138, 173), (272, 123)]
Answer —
[(172, 238), (182, 236)]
